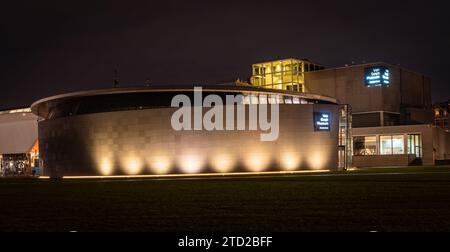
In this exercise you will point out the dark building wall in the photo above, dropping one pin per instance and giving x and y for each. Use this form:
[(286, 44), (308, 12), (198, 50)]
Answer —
[(347, 85), (416, 90), (441, 144), (366, 120), (408, 94), (143, 141)]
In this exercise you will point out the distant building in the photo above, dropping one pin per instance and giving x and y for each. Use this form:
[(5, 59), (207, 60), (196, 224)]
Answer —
[(442, 115), (380, 94), (19, 149), (391, 108)]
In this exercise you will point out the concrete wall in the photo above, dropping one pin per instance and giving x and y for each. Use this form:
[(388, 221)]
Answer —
[(441, 144), (347, 85), (407, 89), (143, 142), (416, 89), (382, 161)]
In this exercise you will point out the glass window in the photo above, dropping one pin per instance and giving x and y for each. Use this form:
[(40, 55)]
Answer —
[(392, 145), (277, 68), (287, 67), (415, 144), (398, 145), (365, 146), (291, 87), (268, 79), (295, 68), (256, 70), (437, 112), (385, 145), (358, 146)]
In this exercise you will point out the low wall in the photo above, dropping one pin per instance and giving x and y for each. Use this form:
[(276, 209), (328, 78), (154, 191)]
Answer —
[(383, 160)]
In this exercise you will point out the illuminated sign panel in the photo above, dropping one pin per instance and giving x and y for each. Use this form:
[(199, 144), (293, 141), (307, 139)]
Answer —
[(322, 121), (377, 77)]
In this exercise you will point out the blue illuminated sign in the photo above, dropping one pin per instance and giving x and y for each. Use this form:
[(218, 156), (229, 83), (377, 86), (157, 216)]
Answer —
[(377, 76), (322, 121)]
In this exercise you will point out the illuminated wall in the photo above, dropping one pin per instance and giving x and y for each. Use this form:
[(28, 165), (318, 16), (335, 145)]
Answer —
[(142, 142)]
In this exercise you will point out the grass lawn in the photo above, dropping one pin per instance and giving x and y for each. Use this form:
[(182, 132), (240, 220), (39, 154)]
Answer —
[(364, 200)]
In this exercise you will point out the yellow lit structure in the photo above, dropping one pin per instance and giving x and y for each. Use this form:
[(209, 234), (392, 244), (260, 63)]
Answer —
[(287, 74)]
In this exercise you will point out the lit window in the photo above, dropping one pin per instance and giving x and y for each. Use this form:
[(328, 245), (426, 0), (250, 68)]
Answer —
[(365, 146), (385, 145), (437, 113), (296, 68), (392, 145), (415, 144), (398, 145)]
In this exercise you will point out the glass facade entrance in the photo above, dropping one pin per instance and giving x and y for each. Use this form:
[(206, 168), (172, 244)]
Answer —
[(415, 144)]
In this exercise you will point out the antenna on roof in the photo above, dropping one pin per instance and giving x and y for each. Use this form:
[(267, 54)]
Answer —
[(116, 78)]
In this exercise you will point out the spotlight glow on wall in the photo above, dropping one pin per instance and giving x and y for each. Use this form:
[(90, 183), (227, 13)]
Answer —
[(316, 160), (223, 163), (256, 162), (132, 165), (191, 163), (290, 161), (106, 166), (160, 164)]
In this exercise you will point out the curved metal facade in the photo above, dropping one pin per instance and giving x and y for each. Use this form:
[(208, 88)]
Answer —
[(141, 141)]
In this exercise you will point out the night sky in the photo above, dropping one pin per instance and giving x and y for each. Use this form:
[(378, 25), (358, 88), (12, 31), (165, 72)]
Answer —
[(52, 47)]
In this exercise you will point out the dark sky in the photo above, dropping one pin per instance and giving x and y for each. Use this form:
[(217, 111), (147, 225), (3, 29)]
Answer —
[(51, 47)]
